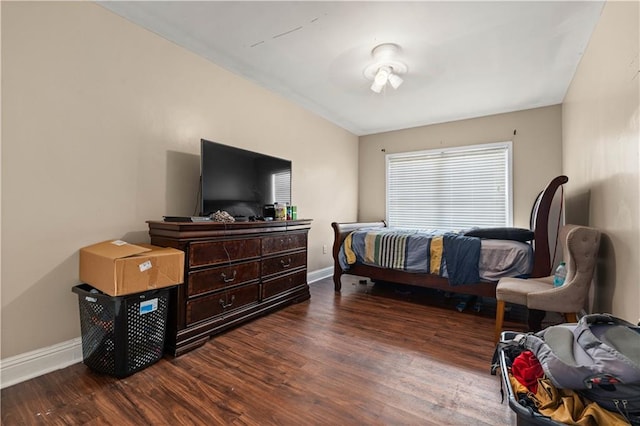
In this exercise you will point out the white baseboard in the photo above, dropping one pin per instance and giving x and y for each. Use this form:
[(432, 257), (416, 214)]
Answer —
[(32, 364), (319, 274)]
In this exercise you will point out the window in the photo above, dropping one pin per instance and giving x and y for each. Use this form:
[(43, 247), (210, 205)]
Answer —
[(450, 189), (282, 187)]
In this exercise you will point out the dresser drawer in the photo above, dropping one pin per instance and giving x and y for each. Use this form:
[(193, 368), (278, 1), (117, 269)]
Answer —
[(281, 284), (215, 252), (283, 263), (216, 304), (284, 242), (220, 277)]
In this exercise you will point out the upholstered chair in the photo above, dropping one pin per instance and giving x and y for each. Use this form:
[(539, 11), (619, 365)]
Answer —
[(580, 246)]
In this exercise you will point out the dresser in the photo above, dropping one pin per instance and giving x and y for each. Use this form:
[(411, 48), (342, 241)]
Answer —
[(234, 272)]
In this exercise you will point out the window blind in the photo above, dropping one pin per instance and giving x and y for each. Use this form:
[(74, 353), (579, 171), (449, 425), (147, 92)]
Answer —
[(450, 189)]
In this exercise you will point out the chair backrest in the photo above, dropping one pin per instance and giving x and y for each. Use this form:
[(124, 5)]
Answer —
[(580, 246)]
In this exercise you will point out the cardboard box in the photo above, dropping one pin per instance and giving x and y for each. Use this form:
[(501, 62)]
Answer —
[(116, 267)]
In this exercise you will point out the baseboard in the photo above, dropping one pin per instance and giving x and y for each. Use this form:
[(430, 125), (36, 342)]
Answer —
[(32, 364), (319, 274)]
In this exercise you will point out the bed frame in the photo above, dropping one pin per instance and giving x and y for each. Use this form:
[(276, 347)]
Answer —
[(542, 262)]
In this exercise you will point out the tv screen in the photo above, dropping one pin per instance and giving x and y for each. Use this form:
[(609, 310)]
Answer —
[(241, 182)]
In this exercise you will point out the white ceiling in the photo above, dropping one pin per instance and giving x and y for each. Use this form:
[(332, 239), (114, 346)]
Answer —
[(465, 59)]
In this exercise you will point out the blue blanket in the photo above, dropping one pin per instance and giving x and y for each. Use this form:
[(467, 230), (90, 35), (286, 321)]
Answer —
[(445, 254)]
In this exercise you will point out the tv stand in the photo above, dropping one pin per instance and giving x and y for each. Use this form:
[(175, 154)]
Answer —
[(234, 272)]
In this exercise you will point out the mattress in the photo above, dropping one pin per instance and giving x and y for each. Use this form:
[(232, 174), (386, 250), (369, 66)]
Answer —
[(504, 258)]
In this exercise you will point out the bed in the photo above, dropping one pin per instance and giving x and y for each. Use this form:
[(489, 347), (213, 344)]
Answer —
[(544, 219)]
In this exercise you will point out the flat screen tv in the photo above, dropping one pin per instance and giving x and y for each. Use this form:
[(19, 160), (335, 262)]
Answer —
[(241, 182)]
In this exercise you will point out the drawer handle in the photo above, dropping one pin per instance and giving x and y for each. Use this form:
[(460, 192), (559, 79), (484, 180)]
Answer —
[(228, 280), (227, 305), (285, 264)]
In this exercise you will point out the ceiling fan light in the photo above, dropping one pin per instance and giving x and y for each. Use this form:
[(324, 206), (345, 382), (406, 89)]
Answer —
[(395, 80), (377, 87), (382, 76), (386, 68)]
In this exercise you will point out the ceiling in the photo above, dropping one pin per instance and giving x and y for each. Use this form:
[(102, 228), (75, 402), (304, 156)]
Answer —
[(464, 59)]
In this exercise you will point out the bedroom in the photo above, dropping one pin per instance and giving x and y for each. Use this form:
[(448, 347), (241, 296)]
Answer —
[(99, 128)]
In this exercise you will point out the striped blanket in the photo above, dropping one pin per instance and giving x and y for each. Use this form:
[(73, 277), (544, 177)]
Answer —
[(445, 254)]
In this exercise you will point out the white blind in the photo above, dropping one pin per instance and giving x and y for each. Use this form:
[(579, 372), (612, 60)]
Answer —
[(450, 189), (282, 187)]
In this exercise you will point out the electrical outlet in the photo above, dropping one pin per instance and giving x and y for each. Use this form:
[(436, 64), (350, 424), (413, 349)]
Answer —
[(324, 249)]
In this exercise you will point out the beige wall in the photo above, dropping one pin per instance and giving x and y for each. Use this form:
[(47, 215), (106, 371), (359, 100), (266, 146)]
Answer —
[(101, 123), (536, 154), (601, 154)]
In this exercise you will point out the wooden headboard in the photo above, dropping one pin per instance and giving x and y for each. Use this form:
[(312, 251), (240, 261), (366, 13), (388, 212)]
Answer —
[(542, 262)]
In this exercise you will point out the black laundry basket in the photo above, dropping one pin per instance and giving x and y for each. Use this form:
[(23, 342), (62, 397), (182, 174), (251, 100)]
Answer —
[(122, 334)]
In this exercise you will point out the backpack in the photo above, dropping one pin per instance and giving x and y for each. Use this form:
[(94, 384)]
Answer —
[(599, 358)]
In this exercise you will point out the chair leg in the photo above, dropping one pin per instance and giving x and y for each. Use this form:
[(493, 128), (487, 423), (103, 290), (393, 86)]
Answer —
[(571, 317), (499, 320), (535, 317)]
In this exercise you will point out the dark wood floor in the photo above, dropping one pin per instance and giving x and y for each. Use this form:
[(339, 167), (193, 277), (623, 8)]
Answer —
[(371, 355)]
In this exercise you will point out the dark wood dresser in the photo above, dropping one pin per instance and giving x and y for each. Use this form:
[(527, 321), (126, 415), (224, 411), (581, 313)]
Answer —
[(234, 272)]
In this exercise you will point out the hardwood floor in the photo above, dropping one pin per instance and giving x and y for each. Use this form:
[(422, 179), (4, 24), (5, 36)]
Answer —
[(370, 355)]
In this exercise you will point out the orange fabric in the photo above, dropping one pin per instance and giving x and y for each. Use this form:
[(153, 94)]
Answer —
[(566, 406)]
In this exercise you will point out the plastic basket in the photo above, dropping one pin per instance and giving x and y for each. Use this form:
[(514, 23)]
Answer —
[(122, 334), (524, 416)]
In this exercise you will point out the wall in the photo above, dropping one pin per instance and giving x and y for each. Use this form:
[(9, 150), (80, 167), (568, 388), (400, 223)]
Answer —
[(601, 154), (536, 154), (102, 122)]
